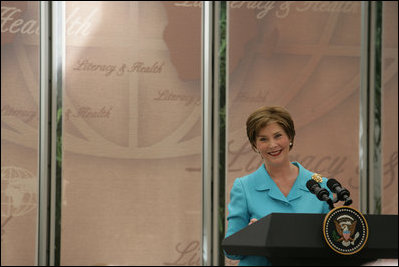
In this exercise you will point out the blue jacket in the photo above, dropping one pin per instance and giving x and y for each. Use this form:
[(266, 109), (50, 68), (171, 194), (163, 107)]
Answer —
[(256, 195)]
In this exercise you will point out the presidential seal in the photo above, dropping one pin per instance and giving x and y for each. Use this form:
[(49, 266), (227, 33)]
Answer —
[(345, 230)]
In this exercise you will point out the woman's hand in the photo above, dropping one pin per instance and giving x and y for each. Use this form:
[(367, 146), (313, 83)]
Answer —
[(252, 221)]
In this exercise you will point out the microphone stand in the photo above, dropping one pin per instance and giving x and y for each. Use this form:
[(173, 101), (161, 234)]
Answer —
[(330, 203), (347, 202)]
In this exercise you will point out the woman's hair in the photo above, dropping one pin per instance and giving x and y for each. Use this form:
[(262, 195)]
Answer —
[(264, 116)]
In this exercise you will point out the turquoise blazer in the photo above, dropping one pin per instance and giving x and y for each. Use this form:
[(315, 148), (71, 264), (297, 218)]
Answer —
[(257, 195)]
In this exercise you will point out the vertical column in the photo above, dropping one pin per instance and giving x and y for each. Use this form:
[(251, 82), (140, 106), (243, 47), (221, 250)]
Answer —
[(51, 62), (44, 133), (207, 139), (370, 115), (210, 132), (217, 137), (57, 87), (375, 159)]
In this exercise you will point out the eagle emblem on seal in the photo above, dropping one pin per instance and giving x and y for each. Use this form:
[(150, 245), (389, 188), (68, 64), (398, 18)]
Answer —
[(346, 227)]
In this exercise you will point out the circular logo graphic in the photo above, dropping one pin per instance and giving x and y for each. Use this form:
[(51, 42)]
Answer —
[(345, 230), (18, 191)]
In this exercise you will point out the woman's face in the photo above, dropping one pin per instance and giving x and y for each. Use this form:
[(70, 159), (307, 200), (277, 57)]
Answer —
[(273, 144)]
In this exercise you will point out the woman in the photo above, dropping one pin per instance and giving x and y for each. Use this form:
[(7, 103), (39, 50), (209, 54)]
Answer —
[(278, 185)]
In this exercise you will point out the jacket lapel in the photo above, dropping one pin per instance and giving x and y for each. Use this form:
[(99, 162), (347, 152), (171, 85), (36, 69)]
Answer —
[(265, 183), (300, 184)]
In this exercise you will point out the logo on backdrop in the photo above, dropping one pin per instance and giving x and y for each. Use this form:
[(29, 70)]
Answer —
[(18, 191), (345, 230)]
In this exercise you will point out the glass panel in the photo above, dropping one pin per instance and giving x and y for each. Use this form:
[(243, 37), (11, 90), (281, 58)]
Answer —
[(390, 107), (19, 130), (132, 185), (304, 56)]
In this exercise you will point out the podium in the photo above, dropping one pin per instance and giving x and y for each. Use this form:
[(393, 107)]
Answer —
[(297, 239)]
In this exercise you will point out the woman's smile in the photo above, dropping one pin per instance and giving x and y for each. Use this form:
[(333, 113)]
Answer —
[(275, 153)]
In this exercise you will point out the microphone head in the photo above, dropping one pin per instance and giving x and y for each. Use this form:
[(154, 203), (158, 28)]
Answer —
[(332, 183), (310, 185)]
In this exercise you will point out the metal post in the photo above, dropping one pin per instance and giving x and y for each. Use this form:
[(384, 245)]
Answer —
[(375, 162), (44, 134), (207, 131), (216, 137), (363, 105), (51, 62), (370, 164), (57, 85)]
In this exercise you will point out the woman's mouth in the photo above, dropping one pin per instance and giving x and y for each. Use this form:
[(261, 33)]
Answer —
[(275, 153)]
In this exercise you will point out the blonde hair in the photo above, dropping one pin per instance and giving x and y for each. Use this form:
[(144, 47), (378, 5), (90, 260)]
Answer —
[(264, 116)]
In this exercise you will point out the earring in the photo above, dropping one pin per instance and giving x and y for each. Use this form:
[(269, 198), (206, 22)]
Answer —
[(290, 143)]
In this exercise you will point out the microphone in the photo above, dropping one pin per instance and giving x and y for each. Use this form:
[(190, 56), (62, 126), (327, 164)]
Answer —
[(321, 193), (342, 193)]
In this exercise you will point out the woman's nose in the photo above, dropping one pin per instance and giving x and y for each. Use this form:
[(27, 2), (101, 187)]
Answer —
[(272, 144)]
